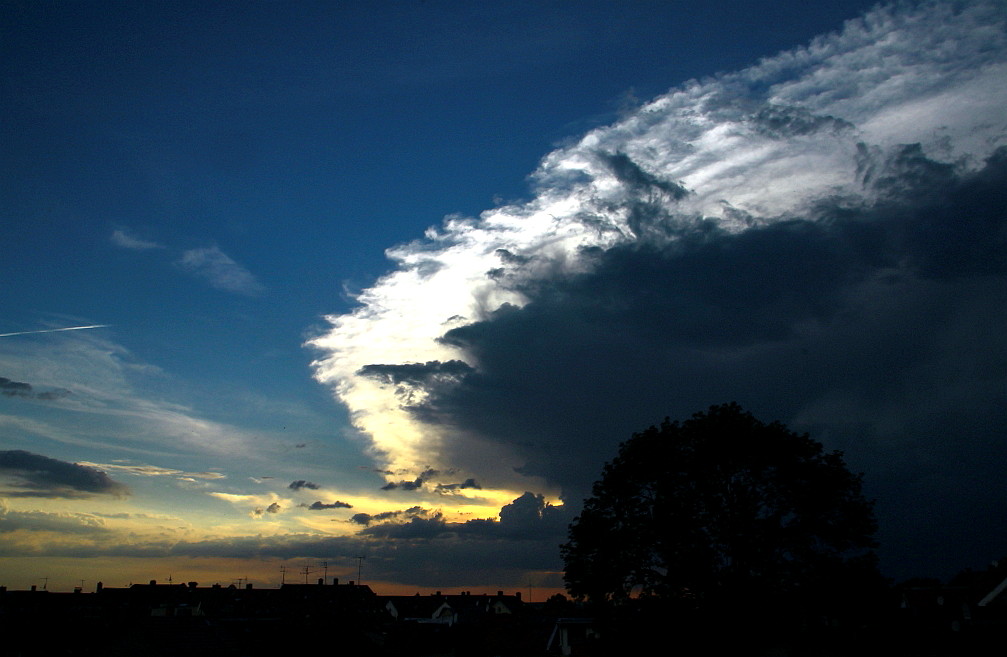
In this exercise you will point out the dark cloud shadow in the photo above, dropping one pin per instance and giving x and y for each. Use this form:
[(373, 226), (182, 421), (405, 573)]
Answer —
[(34, 475), (876, 322)]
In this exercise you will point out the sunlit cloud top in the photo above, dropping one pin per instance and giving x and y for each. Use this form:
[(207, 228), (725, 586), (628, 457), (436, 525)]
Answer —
[(739, 151)]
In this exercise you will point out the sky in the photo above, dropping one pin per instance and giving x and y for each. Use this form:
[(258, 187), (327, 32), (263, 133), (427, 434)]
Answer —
[(385, 284)]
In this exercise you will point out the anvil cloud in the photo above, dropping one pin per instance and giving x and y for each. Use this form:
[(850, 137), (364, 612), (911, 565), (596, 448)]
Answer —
[(821, 237)]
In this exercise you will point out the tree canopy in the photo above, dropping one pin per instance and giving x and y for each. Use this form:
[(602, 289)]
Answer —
[(721, 507)]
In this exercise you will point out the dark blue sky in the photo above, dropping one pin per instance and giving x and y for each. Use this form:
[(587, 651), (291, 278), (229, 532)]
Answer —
[(302, 139), (212, 179)]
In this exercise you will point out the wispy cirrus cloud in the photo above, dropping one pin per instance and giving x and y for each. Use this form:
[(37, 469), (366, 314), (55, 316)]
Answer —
[(126, 240), (106, 406), (220, 270), (153, 471), (210, 264)]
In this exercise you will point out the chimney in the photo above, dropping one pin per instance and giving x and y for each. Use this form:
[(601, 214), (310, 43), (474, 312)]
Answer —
[(518, 596), (321, 581), (499, 594), (335, 581), (248, 587), (98, 587), (32, 587)]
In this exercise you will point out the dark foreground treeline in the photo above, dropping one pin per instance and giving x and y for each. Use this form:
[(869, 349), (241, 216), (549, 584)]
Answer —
[(965, 616)]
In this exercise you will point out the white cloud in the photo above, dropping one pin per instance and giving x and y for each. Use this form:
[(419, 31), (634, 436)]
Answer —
[(125, 240), (220, 271)]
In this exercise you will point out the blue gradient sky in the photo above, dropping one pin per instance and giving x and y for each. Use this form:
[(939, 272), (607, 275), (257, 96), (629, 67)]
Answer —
[(211, 180)]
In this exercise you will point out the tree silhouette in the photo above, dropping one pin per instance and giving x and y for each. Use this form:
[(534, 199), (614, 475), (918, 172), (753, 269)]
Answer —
[(722, 511)]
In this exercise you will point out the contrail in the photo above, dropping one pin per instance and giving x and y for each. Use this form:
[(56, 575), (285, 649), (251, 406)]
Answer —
[(56, 330)]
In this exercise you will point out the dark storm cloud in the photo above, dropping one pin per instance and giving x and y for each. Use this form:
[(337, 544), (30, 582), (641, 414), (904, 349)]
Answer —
[(731, 241), (876, 324), (530, 516), (319, 505), (273, 508), (11, 388), (300, 483), (34, 475)]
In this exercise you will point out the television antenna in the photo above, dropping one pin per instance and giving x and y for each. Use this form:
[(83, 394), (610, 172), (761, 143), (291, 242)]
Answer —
[(360, 560)]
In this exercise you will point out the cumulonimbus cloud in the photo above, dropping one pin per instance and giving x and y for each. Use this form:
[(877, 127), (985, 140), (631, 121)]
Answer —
[(819, 236)]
